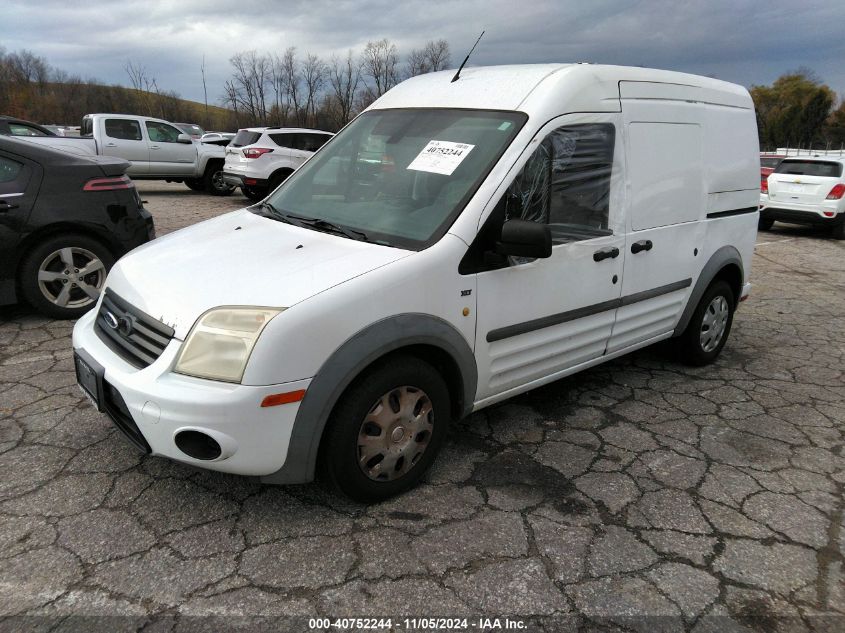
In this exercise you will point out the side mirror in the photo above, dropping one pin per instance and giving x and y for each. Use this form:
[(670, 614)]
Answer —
[(521, 238), (184, 138)]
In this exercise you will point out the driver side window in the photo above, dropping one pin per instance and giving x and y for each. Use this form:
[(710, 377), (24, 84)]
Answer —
[(566, 183)]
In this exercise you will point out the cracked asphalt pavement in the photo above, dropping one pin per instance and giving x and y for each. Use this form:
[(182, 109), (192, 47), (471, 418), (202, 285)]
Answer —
[(639, 495)]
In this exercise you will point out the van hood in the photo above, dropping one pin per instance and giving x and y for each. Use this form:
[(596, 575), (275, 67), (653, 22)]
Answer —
[(239, 259)]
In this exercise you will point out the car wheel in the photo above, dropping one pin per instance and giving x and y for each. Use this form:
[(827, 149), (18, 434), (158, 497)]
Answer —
[(838, 231), (765, 224), (254, 193), (214, 183), (278, 179), (62, 276), (709, 326), (195, 184), (386, 430)]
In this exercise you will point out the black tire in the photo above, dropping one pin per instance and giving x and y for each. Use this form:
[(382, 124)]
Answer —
[(765, 224), (254, 193), (277, 179), (693, 350), (339, 455), (838, 232), (213, 181), (195, 184), (46, 296)]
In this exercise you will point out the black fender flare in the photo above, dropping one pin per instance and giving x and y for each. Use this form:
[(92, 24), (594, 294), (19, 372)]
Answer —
[(724, 256), (347, 362)]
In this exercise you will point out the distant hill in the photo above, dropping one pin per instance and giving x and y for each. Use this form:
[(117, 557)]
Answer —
[(66, 104)]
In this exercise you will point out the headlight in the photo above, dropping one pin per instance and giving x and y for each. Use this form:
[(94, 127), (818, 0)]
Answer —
[(219, 344)]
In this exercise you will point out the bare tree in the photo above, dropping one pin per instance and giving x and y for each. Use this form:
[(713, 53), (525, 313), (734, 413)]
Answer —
[(379, 61), (344, 79), (430, 58), (313, 77), (292, 82), (249, 82)]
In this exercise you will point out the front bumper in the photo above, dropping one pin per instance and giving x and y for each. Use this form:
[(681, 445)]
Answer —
[(161, 404)]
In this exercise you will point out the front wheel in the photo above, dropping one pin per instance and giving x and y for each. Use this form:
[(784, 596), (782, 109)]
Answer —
[(214, 183), (386, 430), (709, 326), (765, 224), (62, 276)]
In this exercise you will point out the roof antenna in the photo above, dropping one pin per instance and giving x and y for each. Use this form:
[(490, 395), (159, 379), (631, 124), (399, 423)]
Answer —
[(466, 59)]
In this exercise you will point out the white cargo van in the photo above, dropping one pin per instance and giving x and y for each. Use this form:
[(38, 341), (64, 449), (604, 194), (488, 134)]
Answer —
[(458, 243)]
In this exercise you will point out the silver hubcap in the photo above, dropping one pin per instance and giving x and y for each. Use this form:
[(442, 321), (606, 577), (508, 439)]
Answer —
[(714, 323), (71, 277), (395, 433)]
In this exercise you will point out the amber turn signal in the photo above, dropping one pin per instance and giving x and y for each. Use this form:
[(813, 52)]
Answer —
[(283, 398)]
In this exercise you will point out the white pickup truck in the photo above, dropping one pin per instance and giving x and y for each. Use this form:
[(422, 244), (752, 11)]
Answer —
[(156, 150)]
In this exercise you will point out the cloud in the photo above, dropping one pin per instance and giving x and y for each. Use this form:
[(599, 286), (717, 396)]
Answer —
[(742, 41)]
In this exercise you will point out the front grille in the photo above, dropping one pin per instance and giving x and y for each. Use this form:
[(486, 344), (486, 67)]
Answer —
[(133, 335), (115, 407)]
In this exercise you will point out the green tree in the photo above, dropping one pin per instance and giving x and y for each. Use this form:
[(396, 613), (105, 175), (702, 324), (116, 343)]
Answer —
[(793, 110)]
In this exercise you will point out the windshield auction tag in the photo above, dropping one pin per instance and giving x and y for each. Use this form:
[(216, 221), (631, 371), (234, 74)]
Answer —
[(441, 157)]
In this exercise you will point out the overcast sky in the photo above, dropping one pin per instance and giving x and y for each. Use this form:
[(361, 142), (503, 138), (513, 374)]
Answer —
[(736, 40)]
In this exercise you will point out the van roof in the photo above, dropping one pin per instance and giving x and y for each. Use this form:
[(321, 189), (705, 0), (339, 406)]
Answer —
[(587, 87)]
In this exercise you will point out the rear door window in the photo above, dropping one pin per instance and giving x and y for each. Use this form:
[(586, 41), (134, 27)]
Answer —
[(291, 141), (125, 129), (14, 176), (822, 169), (313, 142)]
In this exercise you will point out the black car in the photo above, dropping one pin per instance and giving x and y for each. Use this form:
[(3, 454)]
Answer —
[(10, 126), (64, 220)]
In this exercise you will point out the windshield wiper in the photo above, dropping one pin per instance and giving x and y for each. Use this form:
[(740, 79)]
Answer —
[(312, 223), (326, 226)]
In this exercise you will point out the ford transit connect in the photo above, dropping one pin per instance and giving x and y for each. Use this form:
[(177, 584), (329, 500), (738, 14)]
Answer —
[(458, 243)]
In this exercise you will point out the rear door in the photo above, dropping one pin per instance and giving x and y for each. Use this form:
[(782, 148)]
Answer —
[(169, 157), (19, 182), (123, 138), (797, 181)]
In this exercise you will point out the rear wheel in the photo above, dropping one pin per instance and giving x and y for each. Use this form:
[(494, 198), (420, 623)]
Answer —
[(386, 430), (277, 179), (254, 193), (195, 184), (213, 181), (62, 276), (764, 224), (709, 326)]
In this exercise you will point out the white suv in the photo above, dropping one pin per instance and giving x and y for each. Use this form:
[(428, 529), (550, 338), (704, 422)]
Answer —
[(806, 190), (259, 158)]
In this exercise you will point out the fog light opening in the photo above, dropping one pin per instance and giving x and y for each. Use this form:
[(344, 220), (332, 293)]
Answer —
[(198, 445)]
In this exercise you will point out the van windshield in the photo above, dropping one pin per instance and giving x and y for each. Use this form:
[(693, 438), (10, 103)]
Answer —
[(400, 177)]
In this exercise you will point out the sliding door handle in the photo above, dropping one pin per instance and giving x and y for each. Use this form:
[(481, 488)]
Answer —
[(642, 245), (606, 253)]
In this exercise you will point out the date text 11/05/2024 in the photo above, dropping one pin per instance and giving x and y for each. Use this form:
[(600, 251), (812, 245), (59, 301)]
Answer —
[(418, 624)]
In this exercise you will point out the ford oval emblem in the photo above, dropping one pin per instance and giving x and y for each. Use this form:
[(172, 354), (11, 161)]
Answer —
[(111, 320)]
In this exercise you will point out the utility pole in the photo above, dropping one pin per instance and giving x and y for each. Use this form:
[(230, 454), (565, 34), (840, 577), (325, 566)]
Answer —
[(204, 90)]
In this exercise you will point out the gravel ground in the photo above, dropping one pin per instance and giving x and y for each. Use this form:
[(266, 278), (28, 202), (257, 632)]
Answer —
[(640, 494)]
